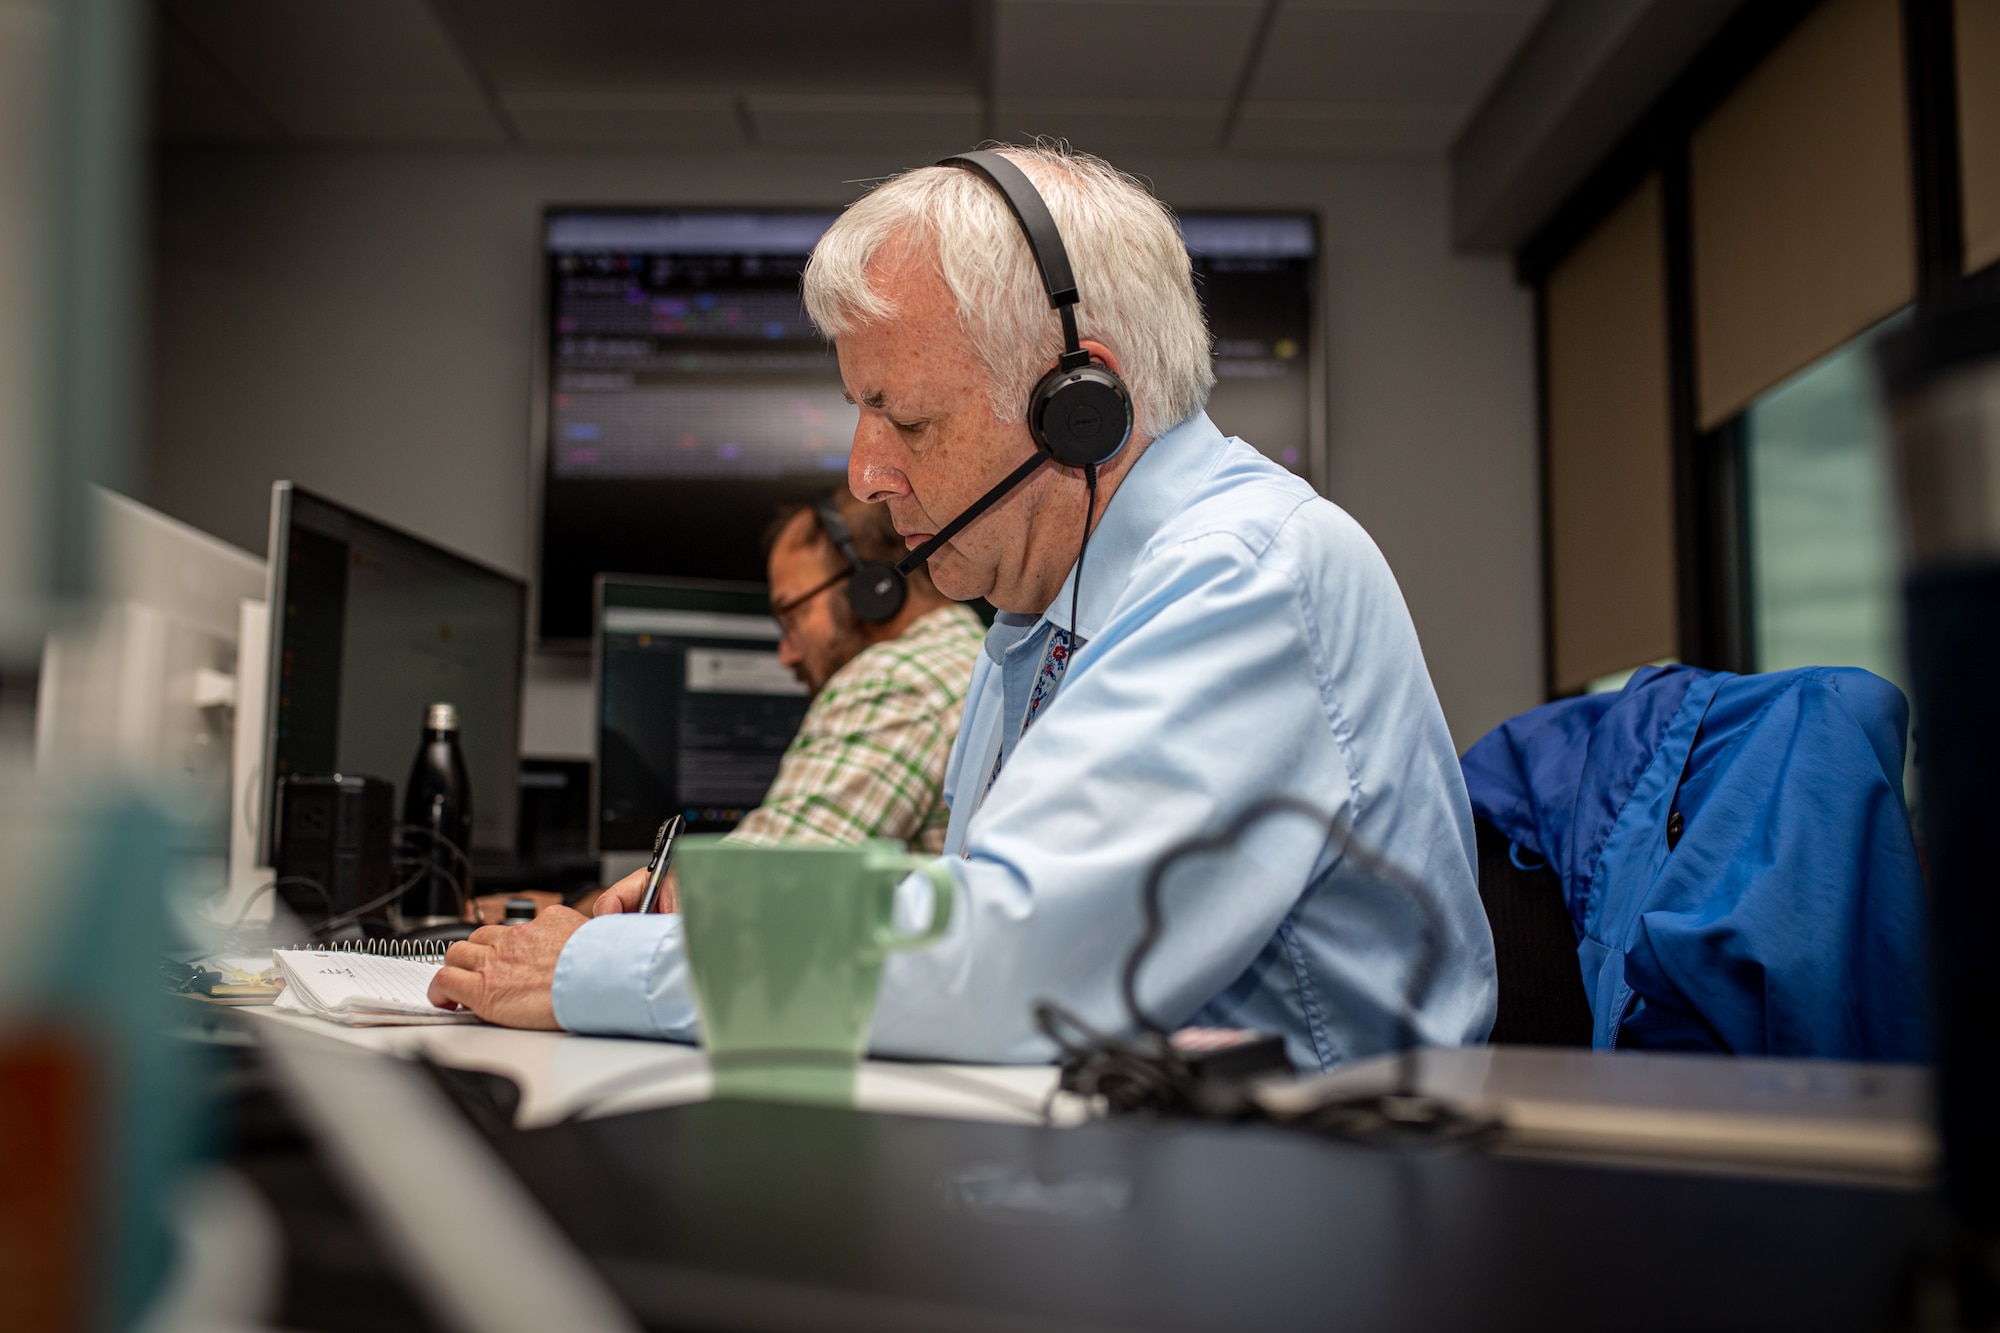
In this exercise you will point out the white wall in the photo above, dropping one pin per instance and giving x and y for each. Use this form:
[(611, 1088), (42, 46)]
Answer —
[(362, 323)]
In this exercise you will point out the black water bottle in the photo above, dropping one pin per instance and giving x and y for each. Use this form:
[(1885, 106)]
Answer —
[(437, 833)]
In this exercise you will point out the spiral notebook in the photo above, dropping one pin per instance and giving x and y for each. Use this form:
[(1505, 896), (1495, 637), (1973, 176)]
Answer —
[(362, 989)]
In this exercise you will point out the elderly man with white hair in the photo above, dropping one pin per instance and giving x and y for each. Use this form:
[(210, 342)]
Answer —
[(1184, 631)]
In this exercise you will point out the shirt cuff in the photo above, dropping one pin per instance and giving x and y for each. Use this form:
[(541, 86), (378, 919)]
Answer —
[(625, 975)]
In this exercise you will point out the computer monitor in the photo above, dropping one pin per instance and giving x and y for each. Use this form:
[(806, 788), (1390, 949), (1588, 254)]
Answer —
[(145, 684), (369, 626), (694, 710), (687, 396)]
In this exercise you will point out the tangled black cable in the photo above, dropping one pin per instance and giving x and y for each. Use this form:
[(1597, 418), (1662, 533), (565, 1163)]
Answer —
[(438, 839), (360, 910), (404, 859), (1148, 1074), (281, 882)]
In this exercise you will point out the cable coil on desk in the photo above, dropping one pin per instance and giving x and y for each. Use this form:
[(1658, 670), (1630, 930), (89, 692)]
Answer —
[(1148, 1074)]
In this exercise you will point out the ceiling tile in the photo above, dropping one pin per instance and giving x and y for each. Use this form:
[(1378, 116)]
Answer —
[(344, 70), (942, 124), (194, 103), (862, 45), (1382, 55), (1083, 49), (1107, 126), (1306, 128), (640, 119)]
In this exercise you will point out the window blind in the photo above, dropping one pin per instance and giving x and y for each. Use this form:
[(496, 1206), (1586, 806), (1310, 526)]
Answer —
[(1800, 204), (1976, 29), (1610, 448)]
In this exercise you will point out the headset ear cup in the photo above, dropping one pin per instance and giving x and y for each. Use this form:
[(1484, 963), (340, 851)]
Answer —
[(1082, 417), (876, 592)]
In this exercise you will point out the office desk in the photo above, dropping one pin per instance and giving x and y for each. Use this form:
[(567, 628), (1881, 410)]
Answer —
[(560, 1074), (746, 1215), (1865, 1124), (933, 1208)]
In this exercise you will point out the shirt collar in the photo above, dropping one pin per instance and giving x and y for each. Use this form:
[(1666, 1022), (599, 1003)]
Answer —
[(1152, 492), (1007, 630)]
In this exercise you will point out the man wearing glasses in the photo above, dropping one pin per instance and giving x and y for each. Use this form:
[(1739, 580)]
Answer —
[(869, 759)]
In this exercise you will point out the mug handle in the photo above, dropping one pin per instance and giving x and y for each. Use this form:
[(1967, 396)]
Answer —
[(944, 889)]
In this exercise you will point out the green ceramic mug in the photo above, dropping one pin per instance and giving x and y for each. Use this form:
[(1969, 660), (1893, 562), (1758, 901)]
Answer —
[(785, 947)]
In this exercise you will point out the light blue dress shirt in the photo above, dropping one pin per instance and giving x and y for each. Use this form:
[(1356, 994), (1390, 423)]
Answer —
[(1239, 638)]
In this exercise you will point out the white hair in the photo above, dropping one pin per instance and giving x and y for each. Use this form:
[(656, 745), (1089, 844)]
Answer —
[(1131, 266)]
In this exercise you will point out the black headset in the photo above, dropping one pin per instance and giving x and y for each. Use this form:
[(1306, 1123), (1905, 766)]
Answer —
[(1080, 414), (876, 589)]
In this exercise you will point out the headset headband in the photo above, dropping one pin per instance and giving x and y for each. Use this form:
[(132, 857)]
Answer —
[(1080, 413), (835, 528), (1045, 241)]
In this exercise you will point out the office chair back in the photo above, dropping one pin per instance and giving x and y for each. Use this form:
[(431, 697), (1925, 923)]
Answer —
[(1542, 1000)]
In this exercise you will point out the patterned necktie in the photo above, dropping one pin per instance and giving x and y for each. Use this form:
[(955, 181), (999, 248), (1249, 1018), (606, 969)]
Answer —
[(1055, 661)]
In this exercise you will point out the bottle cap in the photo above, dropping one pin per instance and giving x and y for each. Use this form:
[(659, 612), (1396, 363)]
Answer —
[(442, 717)]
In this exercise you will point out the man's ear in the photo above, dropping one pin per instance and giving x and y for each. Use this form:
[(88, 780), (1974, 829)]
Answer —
[(1099, 352)]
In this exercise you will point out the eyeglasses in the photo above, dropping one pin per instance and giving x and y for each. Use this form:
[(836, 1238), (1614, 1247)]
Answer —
[(782, 611)]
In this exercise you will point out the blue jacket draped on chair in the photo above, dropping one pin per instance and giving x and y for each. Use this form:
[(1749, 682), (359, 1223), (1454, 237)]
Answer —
[(1787, 915)]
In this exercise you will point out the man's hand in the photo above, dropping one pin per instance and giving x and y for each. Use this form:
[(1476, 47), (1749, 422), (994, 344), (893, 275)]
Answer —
[(505, 973), (624, 896)]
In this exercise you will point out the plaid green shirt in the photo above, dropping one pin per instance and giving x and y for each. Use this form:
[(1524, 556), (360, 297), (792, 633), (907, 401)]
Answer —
[(869, 758)]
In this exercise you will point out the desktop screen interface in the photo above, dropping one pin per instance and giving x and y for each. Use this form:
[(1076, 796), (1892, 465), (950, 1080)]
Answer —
[(376, 626), (694, 709), (689, 396)]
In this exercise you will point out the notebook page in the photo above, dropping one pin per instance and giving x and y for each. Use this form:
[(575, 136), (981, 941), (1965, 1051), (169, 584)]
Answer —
[(354, 982)]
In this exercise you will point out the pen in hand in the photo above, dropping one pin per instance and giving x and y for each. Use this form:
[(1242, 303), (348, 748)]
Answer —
[(663, 855)]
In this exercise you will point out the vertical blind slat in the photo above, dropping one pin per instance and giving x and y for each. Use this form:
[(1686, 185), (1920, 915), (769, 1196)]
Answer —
[(1800, 200), (1610, 448), (1976, 33)]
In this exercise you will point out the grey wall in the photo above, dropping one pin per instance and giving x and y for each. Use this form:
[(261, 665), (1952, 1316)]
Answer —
[(362, 323)]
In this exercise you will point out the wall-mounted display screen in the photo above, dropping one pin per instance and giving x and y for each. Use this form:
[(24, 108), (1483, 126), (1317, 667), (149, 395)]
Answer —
[(1255, 274), (689, 397)]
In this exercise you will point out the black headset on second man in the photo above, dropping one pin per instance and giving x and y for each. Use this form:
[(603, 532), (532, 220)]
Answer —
[(876, 589), (1079, 415)]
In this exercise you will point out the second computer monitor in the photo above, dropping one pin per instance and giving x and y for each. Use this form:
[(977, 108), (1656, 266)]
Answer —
[(694, 710), (369, 626)]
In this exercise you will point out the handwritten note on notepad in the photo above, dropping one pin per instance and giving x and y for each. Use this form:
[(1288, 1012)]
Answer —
[(360, 990)]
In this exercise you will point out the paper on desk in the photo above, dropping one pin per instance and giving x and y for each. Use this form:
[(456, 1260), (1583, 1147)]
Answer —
[(242, 969), (361, 990)]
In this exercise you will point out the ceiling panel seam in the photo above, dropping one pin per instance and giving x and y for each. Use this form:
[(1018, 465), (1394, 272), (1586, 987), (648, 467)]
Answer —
[(480, 79), (225, 76), (985, 51), (1247, 76)]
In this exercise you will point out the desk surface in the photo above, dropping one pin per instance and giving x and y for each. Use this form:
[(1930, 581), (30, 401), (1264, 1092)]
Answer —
[(747, 1215), (560, 1074), (737, 1214)]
